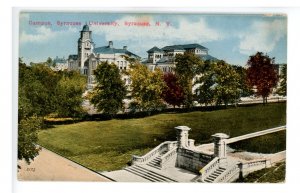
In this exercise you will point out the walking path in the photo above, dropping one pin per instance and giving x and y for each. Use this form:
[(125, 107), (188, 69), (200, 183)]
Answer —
[(49, 166)]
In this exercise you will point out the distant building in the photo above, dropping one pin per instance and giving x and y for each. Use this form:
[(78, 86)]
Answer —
[(88, 57), (164, 58), (59, 64)]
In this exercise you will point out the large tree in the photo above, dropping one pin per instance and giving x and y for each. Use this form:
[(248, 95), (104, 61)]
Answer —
[(28, 121), (187, 65), (173, 92), (110, 90), (205, 93), (246, 90), (227, 87), (146, 88), (42, 92), (69, 89), (262, 74)]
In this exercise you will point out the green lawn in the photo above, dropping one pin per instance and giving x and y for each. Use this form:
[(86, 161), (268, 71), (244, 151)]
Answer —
[(255, 144), (108, 145)]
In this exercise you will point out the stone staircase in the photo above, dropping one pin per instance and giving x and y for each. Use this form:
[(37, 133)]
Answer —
[(155, 163), (211, 178), (148, 174)]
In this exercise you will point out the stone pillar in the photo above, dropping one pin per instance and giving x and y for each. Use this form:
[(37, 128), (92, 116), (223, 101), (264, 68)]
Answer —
[(182, 133), (220, 147), (191, 143)]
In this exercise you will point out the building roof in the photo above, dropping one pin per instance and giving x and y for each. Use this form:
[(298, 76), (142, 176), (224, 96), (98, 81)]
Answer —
[(193, 46), (86, 28), (183, 47), (59, 60), (109, 50), (154, 49), (172, 48), (73, 57)]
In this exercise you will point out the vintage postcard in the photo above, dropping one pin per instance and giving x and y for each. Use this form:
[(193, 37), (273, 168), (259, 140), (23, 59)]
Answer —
[(152, 97)]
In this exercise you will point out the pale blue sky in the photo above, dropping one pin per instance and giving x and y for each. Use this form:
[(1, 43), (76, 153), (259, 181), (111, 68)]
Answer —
[(229, 37)]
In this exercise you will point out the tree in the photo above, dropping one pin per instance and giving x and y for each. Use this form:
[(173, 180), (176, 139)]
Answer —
[(246, 90), (283, 76), (227, 88), (27, 138), (262, 74), (28, 122), (146, 88), (187, 66), (69, 91), (42, 92), (173, 92), (205, 93), (110, 90)]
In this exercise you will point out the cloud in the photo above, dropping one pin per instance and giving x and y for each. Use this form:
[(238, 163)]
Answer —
[(262, 36), (143, 38), (43, 34)]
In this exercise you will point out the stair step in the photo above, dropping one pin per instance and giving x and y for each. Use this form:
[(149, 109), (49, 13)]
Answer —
[(209, 181), (154, 166), (141, 175), (159, 175), (148, 175), (214, 175)]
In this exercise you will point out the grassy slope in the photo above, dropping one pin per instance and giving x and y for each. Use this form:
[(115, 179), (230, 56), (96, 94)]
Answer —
[(108, 145)]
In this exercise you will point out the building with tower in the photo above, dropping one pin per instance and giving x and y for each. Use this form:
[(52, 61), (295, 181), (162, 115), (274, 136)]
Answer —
[(88, 56)]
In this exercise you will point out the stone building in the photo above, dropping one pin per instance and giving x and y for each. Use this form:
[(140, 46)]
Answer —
[(59, 64), (88, 56), (164, 58)]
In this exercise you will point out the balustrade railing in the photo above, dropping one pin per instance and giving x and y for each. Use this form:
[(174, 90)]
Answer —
[(228, 173), (166, 157), (165, 146), (209, 168)]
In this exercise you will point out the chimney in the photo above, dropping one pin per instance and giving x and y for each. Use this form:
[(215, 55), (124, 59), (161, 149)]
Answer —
[(110, 44), (124, 47)]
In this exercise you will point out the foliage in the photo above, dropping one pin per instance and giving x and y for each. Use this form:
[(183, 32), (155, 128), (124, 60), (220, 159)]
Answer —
[(205, 93), (246, 90), (69, 89), (173, 93), (109, 145), (146, 88), (187, 66), (38, 85), (283, 76), (27, 138), (261, 74), (226, 89), (110, 90), (42, 92)]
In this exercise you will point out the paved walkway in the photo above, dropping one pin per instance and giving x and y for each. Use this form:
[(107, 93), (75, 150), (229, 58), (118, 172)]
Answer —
[(48, 166)]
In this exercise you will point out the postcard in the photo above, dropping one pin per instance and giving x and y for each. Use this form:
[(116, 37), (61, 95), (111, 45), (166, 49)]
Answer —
[(152, 97)]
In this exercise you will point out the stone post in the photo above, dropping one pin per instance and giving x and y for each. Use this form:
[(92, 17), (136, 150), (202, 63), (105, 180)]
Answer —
[(220, 147), (191, 143), (182, 133)]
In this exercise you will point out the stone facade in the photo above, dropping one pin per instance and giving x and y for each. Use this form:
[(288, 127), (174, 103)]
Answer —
[(88, 56)]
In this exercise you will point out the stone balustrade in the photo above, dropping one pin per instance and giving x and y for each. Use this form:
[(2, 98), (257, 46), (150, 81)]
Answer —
[(168, 156), (232, 172), (209, 168), (165, 146)]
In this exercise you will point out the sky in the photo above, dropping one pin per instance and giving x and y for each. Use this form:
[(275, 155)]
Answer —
[(230, 37)]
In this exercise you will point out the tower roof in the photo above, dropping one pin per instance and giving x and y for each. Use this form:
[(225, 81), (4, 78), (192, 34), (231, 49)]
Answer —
[(86, 28)]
